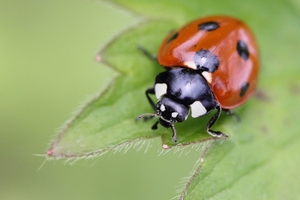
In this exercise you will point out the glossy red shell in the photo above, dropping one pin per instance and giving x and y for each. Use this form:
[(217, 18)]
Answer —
[(233, 72)]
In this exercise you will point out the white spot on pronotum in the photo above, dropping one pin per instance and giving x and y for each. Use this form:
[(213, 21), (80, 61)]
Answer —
[(207, 76), (162, 107), (160, 89), (174, 114), (197, 109), (191, 64)]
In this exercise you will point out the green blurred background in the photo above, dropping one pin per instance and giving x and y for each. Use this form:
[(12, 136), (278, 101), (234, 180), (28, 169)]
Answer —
[(47, 68)]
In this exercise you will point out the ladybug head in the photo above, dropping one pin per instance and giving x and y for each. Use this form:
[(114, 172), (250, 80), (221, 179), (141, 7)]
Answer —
[(169, 112)]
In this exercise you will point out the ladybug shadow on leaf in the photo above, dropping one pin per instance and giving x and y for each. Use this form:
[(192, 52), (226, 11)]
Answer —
[(193, 130)]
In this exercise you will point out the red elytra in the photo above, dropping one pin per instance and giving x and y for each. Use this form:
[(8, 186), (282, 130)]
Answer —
[(233, 45)]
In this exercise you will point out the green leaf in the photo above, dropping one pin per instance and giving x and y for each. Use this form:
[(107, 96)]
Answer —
[(108, 121), (260, 158)]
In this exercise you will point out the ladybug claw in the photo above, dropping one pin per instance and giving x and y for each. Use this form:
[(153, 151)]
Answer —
[(217, 134)]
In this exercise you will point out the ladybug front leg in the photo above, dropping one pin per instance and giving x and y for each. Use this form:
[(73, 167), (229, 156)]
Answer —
[(148, 116), (148, 92), (212, 121)]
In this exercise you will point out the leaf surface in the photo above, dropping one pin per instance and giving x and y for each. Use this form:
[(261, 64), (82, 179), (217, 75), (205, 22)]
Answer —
[(260, 158)]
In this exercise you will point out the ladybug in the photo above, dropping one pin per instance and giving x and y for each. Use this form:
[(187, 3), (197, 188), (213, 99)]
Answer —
[(211, 64)]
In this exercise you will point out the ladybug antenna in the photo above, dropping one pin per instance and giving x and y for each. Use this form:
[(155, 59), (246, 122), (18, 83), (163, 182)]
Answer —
[(147, 116)]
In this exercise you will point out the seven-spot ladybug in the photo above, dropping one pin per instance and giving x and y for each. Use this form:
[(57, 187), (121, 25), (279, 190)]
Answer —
[(212, 63)]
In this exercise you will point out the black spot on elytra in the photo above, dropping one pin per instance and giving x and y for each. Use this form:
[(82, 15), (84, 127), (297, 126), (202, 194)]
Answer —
[(242, 49), (208, 26), (206, 61), (173, 37), (244, 89)]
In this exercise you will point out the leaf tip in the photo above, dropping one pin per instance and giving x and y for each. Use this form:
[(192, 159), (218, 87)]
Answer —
[(50, 152), (98, 58), (165, 146)]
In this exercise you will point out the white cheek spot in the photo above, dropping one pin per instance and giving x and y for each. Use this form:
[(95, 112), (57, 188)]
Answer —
[(162, 108), (174, 114), (191, 64), (207, 76), (198, 109), (160, 89)]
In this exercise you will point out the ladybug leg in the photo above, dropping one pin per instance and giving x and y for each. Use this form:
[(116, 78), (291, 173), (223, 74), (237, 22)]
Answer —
[(148, 92), (174, 136), (148, 116), (147, 53), (233, 114), (212, 121), (154, 127)]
